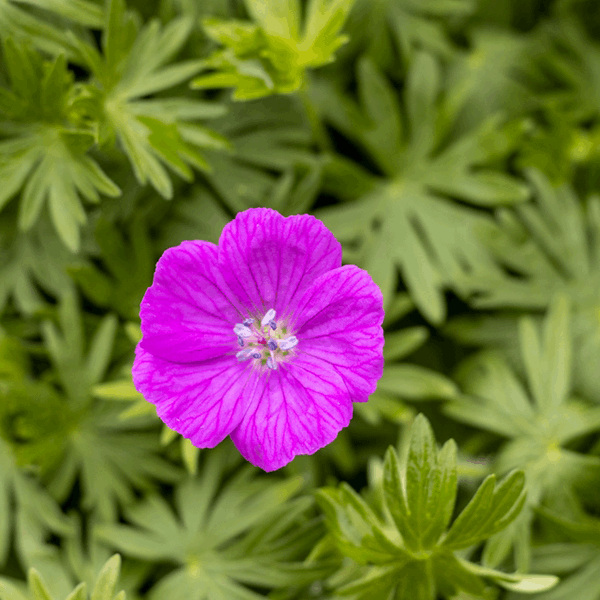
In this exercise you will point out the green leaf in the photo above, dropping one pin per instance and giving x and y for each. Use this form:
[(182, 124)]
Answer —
[(278, 18), (324, 21), (400, 344), (392, 30), (127, 271), (454, 576), (499, 401), (404, 220), (408, 553), (104, 588), (79, 593), (45, 28), (37, 586), (221, 536), (44, 150), (550, 249), (10, 591), (416, 383), (81, 11), (378, 582), (422, 507), (583, 584), (531, 584), (517, 582), (154, 133), (270, 55), (492, 508), (356, 528), (557, 353)]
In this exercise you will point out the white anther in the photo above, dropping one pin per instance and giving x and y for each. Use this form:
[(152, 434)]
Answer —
[(271, 363), (242, 331), (270, 316), (288, 343), (244, 354)]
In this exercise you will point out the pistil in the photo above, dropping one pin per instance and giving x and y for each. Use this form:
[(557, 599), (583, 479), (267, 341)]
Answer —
[(249, 336)]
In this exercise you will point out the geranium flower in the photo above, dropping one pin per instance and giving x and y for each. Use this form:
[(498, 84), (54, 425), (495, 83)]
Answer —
[(265, 338)]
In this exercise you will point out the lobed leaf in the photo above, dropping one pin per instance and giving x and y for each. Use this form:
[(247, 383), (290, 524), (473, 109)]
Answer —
[(492, 508)]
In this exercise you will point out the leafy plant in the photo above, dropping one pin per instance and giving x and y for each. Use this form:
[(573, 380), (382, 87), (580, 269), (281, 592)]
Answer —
[(128, 263), (572, 61), (43, 30), (385, 29), (271, 143), (538, 425), (44, 143), (109, 456), (123, 390), (29, 261), (403, 220), (270, 54), (153, 132), (249, 533), (580, 558), (104, 588), (542, 249), (411, 552)]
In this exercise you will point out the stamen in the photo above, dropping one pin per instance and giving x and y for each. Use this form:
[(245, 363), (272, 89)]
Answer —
[(256, 341), (269, 316), (244, 354), (288, 343), (242, 331)]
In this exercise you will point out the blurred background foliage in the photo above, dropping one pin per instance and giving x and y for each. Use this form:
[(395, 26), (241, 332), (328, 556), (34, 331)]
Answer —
[(452, 146)]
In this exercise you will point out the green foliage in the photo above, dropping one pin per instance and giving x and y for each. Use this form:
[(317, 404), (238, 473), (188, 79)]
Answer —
[(43, 147), (28, 513), (270, 54), (43, 30), (158, 132), (539, 425), (411, 553), (28, 260), (582, 556), (452, 146), (272, 163), (104, 588), (249, 532), (391, 27), (107, 455), (129, 265), (550, 246), (404, 219)]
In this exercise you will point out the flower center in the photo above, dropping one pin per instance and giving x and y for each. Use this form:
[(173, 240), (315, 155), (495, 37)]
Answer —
[(268, 343)]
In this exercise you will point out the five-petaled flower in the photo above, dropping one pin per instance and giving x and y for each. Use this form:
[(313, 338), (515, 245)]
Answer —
[(265, 338)]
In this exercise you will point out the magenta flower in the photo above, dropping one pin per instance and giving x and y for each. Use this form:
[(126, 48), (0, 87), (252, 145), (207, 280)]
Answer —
[(265, 338)]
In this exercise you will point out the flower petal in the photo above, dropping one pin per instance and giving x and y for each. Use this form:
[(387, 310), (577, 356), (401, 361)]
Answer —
[(267, 259), (294, 410), (188, 313), (338, 322), (202, 401)]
